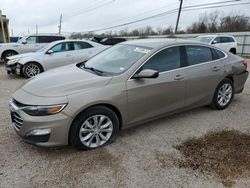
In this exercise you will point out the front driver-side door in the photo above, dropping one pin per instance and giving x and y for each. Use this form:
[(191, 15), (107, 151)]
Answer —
[(61, 55), (31, 45), (148, 98)]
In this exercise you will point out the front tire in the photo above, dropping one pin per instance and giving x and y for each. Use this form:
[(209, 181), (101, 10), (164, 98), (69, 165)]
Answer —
[(32, 69), (94, 128), (7, 54), (223, 95)]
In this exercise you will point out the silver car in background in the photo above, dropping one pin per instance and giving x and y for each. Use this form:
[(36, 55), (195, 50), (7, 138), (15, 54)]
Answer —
[(85, 105), (54, 55)]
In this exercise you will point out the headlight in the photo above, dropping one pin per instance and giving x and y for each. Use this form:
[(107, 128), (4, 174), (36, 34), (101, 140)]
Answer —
[(44, 110), (13, 61)]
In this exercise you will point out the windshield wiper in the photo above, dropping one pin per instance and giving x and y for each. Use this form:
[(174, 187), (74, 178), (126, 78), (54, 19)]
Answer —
[(98, 72)]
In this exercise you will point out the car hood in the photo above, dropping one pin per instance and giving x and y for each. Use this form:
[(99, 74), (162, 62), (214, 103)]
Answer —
[(11, 44), (31, 54), (64, 81)]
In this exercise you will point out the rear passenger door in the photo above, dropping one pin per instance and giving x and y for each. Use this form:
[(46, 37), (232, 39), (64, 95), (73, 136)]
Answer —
[(83, 51), (203, 75)]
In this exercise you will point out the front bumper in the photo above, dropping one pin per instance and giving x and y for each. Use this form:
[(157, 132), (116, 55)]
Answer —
[(47, 131), (13, 68)]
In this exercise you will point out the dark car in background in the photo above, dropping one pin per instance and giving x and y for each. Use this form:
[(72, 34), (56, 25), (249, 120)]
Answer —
[(112, 41)]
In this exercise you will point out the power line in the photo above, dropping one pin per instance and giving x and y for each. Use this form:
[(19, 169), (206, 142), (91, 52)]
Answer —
[(86, 10), (91, 9), (165, 14)]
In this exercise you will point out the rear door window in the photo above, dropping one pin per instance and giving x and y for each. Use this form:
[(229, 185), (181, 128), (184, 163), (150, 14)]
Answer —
[(82, 45), (217, 54), (49, 39), (198, 54), (225, 39)]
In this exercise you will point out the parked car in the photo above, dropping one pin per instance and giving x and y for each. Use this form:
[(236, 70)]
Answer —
[(29, 43), (112, 41), (86, 104), (225, 42), (56, 54), (96, 39)]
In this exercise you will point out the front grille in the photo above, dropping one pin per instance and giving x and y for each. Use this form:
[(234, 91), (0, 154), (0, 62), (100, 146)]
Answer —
[(16, 119)]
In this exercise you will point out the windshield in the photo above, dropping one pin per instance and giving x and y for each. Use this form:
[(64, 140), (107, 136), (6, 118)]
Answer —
[(42, 48), (204, 39), (21, 39), (116, 59)]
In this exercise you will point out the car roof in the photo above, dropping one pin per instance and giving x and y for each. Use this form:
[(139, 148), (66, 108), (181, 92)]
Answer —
[(158, 43), (77, 40), (46, 34), (219, 35)]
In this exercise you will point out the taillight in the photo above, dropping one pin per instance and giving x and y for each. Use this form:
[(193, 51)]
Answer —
[(245, 63)]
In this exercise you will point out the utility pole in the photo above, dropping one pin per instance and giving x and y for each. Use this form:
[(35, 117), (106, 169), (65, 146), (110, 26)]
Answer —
[(36, 29), (178, 17), (60, 24), (12, 32), (2, 26)]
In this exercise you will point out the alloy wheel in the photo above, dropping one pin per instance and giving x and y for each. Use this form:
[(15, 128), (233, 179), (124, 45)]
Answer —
[(32, 70), (225, 94), (96, 131)]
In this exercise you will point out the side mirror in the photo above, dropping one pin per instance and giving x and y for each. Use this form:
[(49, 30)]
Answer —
[(24, 42), (214, 42), (49, 52), (146, 73)]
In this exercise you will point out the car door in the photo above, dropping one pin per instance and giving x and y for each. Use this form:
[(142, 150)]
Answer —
[(203, 75), (148, 98), (83, 51), (29, 45), (58, 55), (216, 42)]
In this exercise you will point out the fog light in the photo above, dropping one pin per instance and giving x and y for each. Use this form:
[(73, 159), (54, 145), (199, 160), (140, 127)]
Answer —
[(39, 132)]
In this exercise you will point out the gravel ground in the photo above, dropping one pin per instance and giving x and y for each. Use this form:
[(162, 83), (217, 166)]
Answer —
[(138, 158)]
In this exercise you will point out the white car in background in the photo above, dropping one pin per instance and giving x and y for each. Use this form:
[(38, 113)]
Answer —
[(29, 43), (54, 55), (225, 42)]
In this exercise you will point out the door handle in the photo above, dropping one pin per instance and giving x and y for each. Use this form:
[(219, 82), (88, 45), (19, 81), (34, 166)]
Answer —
[(68, 55), (215, 68), (179, 77)]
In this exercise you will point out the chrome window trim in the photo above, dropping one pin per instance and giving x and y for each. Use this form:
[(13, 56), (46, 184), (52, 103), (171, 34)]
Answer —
[(181, 68)]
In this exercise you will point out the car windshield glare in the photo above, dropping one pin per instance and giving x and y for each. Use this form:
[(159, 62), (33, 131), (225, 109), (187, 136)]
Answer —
[(117, 59), (204, 39)]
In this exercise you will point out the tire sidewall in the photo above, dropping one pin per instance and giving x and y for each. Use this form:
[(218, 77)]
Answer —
[(82, 117), (25, 67), (8, 52), (215, 102)]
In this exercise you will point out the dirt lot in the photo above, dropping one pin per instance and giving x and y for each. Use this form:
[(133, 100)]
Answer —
[(142, 156)]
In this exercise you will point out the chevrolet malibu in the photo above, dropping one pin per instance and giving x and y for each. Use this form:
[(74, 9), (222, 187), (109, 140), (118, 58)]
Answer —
[(87, 104)]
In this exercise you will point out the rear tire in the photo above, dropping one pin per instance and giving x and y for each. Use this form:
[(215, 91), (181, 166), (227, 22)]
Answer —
[(31, 69), (94, 128), (223, 95)]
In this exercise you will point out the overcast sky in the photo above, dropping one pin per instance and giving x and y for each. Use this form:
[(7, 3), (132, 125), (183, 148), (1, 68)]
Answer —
[(25, 14)]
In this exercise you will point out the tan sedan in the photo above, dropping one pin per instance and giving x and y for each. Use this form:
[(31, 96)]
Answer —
[(86, 104)]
